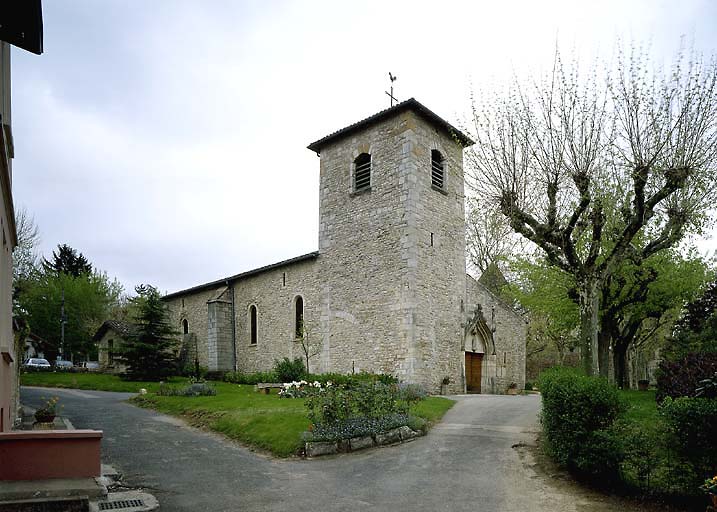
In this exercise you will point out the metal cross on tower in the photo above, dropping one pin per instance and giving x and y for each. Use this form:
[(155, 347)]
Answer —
[(390, 94)]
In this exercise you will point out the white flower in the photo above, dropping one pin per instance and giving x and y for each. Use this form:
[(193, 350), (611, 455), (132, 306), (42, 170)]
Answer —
[(142, 391), (317, 384)]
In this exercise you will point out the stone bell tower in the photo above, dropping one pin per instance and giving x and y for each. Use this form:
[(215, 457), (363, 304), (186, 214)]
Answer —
[(392, 245)]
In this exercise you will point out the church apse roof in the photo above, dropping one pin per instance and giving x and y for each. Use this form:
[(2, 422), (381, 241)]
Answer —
[(224, 281), (410, 104)]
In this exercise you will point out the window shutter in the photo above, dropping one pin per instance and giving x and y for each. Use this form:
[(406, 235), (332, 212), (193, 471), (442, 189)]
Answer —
[(362, 173), (437, 175)]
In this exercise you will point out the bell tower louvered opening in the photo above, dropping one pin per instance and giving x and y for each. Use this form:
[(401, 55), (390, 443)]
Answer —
[(437, 172), (362, 172)]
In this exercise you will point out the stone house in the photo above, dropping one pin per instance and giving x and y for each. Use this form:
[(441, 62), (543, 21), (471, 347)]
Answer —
[(110, 338), (387, 290)]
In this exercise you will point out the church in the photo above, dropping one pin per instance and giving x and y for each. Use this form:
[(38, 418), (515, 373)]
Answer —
[(387, 289)]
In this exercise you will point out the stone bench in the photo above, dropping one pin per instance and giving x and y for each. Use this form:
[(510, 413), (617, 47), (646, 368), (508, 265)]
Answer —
[(266, 387)]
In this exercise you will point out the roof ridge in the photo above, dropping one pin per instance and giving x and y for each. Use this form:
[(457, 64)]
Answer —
[(421, 109)]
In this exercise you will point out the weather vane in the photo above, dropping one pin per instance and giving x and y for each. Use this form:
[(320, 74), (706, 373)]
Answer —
[(390, 94)]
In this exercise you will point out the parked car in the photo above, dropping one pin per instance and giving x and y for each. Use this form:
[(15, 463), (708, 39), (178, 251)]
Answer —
[(90, 366), (36, 363), (63, 365)]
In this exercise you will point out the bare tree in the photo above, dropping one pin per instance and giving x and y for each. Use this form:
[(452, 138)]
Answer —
[(594, 169), (309, 346), (25, 259), (489, 238)]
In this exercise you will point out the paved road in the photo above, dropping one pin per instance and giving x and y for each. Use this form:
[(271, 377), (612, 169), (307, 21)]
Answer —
[(465, 463)]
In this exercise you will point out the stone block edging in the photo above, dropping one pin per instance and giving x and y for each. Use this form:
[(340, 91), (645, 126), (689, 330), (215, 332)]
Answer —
[(393, 436)]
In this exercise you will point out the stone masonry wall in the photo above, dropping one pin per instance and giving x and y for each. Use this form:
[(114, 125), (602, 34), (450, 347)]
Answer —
[(193, 308), (103, 352), (437, 233), (220, 356), (509, 336), (393, 302), (274, 294)]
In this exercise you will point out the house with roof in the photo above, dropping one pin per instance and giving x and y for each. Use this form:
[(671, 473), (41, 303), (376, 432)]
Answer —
[(387, 289), (109, 339)]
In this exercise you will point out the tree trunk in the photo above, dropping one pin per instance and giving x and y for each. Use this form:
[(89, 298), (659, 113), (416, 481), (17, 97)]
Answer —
[(620, 363), (589, 304), (604, 349)]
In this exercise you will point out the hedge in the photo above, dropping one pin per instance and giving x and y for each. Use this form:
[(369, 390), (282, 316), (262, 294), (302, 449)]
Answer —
[(691, 430), (682, 377), (577, 416)]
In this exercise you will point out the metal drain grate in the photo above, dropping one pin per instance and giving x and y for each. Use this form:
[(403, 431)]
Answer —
[(118, 505)]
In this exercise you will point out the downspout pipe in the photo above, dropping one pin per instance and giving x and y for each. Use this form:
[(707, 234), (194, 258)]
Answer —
[(234, 328)]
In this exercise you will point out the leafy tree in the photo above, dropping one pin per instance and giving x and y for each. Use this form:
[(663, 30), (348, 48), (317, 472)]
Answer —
[(696, 329), (639, 300), (87, 301), (545, 292), (66, 260), (149, 352), (585, 167)]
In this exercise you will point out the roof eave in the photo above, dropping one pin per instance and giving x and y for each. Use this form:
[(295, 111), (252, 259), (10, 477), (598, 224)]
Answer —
[(409, 104)]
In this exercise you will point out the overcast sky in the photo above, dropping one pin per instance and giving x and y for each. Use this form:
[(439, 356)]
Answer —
[(166, 140)]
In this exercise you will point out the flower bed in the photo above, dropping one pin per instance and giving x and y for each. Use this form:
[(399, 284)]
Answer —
[(351, 417)]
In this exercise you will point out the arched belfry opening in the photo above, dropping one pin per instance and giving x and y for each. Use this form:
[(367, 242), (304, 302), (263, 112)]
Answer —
[(480, 355)]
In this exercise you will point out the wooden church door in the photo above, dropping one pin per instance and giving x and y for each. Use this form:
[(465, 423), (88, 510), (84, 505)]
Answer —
[(474, 364)]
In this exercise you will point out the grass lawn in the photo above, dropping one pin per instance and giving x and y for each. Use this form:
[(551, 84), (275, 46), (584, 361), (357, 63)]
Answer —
[(263, 421), (96, 381), (641, 407)]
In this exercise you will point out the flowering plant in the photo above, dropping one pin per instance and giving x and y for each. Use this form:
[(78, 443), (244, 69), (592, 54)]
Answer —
[(48, 409), (710, 486), (301, 388)]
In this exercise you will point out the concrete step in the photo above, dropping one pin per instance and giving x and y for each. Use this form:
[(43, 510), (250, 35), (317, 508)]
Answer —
[(14, 490)]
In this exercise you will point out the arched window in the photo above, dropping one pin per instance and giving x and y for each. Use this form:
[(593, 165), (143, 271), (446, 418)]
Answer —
[(299, 318), (362, 172), (252, 324), (437, 172), (185, 326)]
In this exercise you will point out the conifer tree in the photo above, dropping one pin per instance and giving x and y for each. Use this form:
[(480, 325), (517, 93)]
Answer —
[(149, 353)]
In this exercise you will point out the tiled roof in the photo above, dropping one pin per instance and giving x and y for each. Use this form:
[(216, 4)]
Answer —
[(409, 104), (124, 329), (212, 284)]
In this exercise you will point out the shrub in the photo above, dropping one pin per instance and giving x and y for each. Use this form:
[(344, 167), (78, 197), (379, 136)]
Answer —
[(642, 452), (358, 427), (300, 389), (578, 412), (708, 387), (528, 386), (682, 377), (599, 455), (691, 427), (249, 378), (351, 379), (287, 370), (189, 370), (195, 389), (411, 393), (366, 408)]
